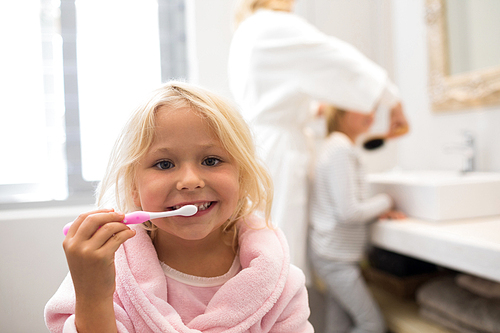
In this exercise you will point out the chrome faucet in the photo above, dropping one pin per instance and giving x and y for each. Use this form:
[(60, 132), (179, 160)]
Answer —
[(470, 153), (467, 149)]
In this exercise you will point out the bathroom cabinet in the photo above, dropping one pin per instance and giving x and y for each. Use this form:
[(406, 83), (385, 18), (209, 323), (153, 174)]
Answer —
[(467, 245), (401, 314)]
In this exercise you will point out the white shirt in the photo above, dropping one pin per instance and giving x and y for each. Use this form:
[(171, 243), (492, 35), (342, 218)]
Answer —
[(340, 208)]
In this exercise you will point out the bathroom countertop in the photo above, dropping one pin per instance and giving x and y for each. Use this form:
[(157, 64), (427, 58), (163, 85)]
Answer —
[(468, 245)]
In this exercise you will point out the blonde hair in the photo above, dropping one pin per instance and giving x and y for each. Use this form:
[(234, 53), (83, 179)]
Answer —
[(333, 115), (118, 184), (245, 8)]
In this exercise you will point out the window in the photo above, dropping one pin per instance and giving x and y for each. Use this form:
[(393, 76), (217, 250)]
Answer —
[(75, 72)]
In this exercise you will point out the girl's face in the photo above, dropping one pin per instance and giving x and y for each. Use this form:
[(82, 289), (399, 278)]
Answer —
[(187, 165)]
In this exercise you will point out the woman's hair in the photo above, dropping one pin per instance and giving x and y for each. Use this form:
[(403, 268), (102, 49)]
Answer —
[(332, 115), (117, 187), (245, 8)]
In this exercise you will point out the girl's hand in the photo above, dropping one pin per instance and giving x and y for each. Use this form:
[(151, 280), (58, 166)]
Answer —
[(90, 246), (393, 215)]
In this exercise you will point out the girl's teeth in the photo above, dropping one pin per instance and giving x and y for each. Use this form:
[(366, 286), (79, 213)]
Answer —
[(202, 206)]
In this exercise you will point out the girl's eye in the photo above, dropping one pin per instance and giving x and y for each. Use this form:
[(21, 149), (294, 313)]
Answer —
[(211, 161), (163, 165)]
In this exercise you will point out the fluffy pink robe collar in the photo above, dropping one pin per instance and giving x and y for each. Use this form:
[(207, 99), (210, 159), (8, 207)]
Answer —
[(266, 296)]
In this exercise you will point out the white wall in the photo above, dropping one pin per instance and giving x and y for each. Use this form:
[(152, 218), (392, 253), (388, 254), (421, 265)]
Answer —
[(33, 264)]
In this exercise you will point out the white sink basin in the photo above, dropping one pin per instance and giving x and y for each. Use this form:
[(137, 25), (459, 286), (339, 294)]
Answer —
[(441, 195)]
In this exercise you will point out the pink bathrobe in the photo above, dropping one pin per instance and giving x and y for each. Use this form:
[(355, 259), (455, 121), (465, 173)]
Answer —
[(267, 295)]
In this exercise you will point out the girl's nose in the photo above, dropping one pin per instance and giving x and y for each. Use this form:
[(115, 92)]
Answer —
[(189, 179)]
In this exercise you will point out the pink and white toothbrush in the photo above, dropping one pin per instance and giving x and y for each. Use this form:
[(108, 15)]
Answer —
[(141, 216)]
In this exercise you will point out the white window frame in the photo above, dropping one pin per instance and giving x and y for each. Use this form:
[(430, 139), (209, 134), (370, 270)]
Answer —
[(174, 64)]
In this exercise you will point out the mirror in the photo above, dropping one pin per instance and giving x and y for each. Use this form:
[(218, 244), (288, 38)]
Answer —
[(473, 34), (464, 53)]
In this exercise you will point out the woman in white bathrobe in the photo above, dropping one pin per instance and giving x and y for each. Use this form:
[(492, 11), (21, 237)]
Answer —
[(278, 65)]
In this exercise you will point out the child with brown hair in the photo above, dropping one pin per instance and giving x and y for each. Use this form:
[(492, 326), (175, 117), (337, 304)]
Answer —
[(341, 212)]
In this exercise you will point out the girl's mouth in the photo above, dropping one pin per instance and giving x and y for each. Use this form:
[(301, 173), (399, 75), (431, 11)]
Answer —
[(201, 206)]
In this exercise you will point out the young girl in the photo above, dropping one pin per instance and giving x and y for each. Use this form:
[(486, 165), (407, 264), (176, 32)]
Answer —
[(340, 214), (223, 269)]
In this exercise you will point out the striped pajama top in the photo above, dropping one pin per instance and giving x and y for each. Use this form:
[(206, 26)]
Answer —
[(340, 207)]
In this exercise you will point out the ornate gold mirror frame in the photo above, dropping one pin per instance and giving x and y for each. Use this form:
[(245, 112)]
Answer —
[(460, 91)]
